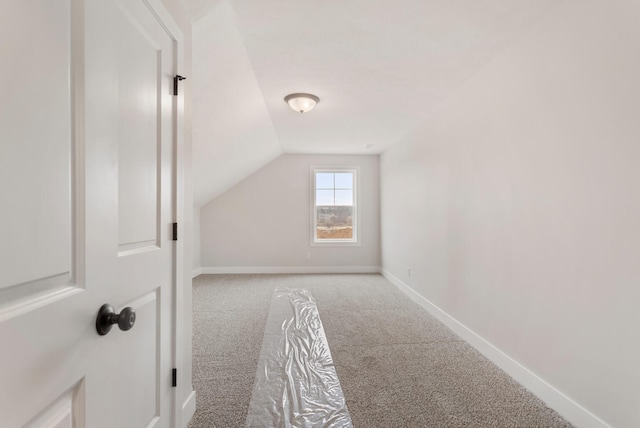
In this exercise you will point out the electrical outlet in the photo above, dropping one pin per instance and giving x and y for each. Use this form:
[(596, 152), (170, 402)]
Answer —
[(308, 254)]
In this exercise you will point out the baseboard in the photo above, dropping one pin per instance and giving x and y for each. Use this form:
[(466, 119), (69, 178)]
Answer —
[(569, 409), (290, 269), (196, 272), (188, 409)]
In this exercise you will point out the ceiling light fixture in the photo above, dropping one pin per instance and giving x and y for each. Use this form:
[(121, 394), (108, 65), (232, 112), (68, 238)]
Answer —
[(301, 103)]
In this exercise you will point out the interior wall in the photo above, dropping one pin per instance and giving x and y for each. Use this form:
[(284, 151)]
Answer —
[(263, 223), (517, 207), (197, 258)]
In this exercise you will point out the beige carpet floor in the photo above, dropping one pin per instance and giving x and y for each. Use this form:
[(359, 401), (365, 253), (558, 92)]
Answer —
[(398, 366)]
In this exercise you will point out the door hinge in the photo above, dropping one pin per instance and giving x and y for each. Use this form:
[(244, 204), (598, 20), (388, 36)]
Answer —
[(176, 79), (175, 232), (174, 377)]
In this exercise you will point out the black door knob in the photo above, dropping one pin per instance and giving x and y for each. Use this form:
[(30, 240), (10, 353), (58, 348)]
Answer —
[(107, 317)]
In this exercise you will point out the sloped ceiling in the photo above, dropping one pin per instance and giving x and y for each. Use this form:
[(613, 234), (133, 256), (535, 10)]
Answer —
[(379, 67), (233, 134)]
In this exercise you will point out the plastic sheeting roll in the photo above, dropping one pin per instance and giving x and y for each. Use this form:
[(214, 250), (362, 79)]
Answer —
[(296, 382)]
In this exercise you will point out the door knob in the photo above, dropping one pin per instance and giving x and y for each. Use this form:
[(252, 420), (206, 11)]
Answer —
[(107, 317)]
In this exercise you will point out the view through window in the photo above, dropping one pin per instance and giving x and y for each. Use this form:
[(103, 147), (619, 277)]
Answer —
[(334, 206)]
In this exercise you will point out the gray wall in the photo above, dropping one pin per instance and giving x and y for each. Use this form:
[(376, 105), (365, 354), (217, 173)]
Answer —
[(264, 221), (517, 206)]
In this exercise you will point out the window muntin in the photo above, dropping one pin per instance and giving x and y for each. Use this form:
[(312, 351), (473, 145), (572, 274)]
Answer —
[(334, 206)]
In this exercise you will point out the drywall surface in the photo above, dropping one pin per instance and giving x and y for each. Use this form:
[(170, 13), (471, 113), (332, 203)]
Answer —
[(234, 137), (264, 221), (517, 206), (197, 259)]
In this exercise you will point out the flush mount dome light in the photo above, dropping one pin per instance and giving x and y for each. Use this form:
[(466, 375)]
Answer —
[(301, 103)]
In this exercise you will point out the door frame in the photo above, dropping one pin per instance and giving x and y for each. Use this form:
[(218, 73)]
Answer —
[(181, 412)]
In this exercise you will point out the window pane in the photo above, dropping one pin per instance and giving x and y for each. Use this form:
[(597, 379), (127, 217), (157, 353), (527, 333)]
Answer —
[(324, 197), (344, 197), (334, 206), (324, 180), (344, 180), (334, 223)]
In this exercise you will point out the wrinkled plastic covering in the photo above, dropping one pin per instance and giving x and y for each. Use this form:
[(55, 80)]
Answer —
[(296, 382)]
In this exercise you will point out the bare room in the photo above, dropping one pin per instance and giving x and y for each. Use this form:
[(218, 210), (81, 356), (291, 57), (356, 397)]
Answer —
[(278, 213)]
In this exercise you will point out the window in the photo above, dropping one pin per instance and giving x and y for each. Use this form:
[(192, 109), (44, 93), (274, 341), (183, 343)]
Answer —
[(334, 206)]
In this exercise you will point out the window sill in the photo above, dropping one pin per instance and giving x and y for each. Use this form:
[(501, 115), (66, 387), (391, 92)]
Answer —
[(334, 243)]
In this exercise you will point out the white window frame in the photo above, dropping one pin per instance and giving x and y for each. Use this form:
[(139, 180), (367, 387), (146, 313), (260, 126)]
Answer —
[(356, 203)]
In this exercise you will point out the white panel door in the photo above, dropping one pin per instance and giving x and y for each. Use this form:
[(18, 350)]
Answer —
[(87, 190)]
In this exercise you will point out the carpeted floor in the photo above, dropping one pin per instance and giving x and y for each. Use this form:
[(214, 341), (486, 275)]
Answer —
[(398, 366)]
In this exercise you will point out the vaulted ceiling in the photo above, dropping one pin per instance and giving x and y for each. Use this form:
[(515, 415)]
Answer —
[(380, 68)]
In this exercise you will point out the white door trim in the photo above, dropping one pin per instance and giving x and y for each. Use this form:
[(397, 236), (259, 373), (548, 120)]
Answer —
[(177, 356)]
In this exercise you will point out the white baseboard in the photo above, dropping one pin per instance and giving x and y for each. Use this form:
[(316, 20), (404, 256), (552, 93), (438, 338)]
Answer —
[(188, 409), (290, 269), (196, 272), (569, 409)]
